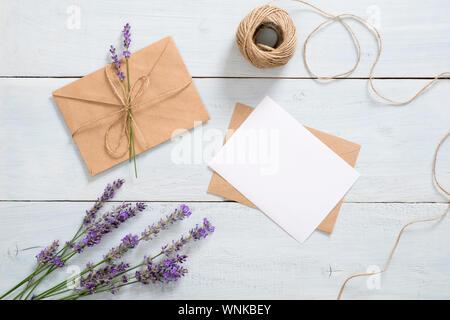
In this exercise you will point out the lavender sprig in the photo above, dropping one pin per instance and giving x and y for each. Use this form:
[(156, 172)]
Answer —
[(106, 224), (112, 277), (101, 277), (152, 231), (127, 88), (108, 194), (179, 214), (126, 40), (116, 62), (49, 256), (197, 233), (169, 270)]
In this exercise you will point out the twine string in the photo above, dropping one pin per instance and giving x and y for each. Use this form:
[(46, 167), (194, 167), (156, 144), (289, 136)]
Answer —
[(129, 103), (439, 217), (263, 56)]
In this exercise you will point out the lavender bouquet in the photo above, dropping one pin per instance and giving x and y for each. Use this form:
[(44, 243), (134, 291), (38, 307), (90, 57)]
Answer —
[(110, 274)]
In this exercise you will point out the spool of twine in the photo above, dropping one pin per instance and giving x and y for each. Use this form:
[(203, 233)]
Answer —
[(261, 55)]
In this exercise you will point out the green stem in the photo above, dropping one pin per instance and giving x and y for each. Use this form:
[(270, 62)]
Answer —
[(61, 292), (130, 125), (83, 294), (36, 283), (30, 282), (61, 252), (132, 151), (56, 289), (128, 75), (134, 159), (17, 286), (64, 283)]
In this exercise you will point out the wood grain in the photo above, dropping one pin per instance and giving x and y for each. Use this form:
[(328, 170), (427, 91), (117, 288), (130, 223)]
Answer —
[(43, 181), (42, 38), (249, 256), (41, 162)]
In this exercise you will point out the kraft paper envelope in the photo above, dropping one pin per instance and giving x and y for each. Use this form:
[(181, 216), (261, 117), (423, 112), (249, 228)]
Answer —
[(345, 149), (168, 102)]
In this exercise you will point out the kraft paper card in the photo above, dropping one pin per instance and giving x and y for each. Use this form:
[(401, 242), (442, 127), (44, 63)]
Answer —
[(347, 150), (283, 169), (165, 100)]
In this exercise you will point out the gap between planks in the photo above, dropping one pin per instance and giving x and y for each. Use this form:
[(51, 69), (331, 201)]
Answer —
[(243, 77), (218, 201)]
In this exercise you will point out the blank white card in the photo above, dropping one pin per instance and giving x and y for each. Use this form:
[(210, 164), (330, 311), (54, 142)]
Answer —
[(284, 170)]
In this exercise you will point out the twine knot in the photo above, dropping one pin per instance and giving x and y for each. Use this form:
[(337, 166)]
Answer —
[(129, 106)]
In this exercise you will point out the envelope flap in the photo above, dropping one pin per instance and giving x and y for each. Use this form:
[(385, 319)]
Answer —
[(163, 64), (93, 88), (161, 61), (347, 150)]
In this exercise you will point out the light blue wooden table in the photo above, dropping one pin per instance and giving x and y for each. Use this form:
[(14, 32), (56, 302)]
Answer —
[(45, 187)]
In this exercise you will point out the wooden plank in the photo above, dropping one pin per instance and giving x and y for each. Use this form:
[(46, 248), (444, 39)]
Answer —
[(249, 256), (65, 37), (40, 161)]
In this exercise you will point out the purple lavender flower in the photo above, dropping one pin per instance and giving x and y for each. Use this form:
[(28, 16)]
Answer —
[(148, 234), (126, 40), (108, 194), (116, 62), (130, 240), (197, 233), (102, 276), (48, 256), (93, 237), (115, 58), (106, 223), (48, 253), (185, 209), (169, 270), (179, 214), (57, 262)]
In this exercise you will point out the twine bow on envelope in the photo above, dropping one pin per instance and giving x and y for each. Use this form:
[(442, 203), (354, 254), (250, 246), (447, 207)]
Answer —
[(129, 107)]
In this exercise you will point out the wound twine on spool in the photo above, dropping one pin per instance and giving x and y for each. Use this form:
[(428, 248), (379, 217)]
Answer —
[(260, 55), (263, 56)]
